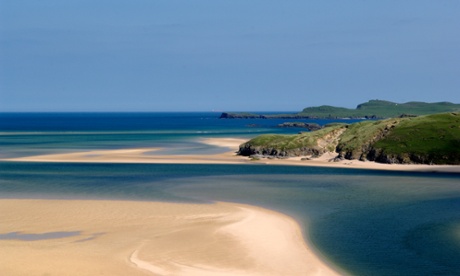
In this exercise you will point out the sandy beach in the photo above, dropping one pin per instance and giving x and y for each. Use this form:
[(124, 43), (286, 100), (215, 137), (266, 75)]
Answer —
[(78, 237), (143, 155), (74, 237)]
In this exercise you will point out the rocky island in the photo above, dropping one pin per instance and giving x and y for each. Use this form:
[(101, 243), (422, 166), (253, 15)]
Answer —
[(428, 139)]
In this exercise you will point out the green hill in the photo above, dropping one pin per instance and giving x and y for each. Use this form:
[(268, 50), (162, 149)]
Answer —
[(375, 109), (380, 109), (429, 139)]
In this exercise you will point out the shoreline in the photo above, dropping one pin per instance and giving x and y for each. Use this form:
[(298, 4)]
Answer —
[(140, 155), (135, 238), (165, 243)]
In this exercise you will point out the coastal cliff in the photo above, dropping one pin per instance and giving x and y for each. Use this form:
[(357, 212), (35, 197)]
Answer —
[(429, 139), (313, 143)]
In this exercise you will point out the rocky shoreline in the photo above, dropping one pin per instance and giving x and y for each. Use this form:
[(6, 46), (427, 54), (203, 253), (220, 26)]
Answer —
[(431, 139)]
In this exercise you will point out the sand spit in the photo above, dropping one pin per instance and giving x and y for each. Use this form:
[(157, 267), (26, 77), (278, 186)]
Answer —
[(141, 155), (152, 238), (230, 157)]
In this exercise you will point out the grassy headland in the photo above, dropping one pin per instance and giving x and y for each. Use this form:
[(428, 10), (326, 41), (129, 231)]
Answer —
[(429, 139), (375, 109)]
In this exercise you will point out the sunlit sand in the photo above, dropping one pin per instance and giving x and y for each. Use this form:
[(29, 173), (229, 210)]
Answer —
[(151, 238), (70, 237), (142, 155)]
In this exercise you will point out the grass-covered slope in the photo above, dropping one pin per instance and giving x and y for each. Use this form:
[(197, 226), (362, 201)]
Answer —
[(307, 143), (429, 139), (433, 139), (359, 138)]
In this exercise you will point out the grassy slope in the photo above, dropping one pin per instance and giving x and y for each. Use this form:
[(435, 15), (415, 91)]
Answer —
[(425, 139), (359, 137), (264, 144), (381, 109)]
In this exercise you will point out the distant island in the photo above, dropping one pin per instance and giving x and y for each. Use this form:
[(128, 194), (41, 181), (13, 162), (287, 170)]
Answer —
[(428, 139), (373, 109)]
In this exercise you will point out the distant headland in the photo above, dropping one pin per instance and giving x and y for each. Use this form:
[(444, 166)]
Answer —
[(373, 109)]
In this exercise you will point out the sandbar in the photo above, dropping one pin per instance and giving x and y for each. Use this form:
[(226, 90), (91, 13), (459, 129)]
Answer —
[(140, 155), (151, 238)]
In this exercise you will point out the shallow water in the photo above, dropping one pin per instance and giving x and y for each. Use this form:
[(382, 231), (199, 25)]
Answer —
[(365, 222), (37, 237), (23, 134)]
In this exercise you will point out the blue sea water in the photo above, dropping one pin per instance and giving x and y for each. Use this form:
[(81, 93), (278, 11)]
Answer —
[(23, 134), (364, 222)]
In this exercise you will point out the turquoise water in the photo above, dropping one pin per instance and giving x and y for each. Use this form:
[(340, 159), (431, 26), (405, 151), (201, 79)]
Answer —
[(23, 134), (365, 222)]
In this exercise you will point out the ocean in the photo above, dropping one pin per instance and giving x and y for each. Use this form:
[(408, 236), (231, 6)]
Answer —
[(364, 222)]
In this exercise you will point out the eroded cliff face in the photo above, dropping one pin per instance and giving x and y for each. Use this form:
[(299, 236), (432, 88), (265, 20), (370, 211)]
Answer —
[(250, 150), (381, 156), (308, 145), (358, 142)]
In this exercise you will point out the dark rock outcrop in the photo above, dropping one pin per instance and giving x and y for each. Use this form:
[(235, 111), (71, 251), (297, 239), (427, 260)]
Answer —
[(227, 115), (309, 126), (249, 150)]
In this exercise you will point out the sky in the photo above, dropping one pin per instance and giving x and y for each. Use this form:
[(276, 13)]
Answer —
[(225, 55)]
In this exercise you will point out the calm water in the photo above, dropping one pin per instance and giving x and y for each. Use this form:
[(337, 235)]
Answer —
[(23, 134), (365, 222)]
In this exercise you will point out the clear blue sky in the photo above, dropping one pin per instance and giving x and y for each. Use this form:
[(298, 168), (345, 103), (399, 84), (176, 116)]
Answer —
[(232, 55)]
